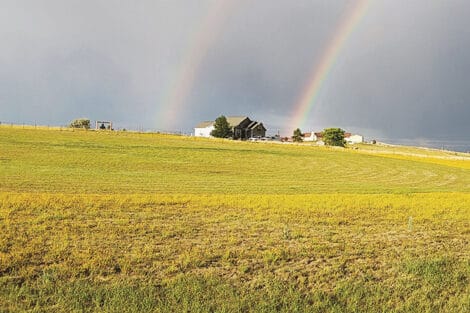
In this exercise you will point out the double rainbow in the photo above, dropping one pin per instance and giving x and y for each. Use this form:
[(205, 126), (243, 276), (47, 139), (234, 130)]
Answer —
[(175, 99)]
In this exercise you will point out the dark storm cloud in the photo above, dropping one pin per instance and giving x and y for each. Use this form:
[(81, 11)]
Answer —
[(100, 59), (403, 72)]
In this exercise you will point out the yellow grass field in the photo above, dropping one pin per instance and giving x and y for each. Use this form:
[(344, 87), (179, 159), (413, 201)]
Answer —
[(127, 222)]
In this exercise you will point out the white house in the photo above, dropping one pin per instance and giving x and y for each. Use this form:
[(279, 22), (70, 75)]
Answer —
[(204, 129), (353, 139), (310, 136)]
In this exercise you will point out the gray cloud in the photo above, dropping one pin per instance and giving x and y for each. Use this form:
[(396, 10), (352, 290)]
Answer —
[(403, 73)]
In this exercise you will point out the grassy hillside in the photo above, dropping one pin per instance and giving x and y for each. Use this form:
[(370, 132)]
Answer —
[(124, 222), (91, 162)]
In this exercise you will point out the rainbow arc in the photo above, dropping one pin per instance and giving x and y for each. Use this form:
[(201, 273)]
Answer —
[(320, 72), (199, 44)]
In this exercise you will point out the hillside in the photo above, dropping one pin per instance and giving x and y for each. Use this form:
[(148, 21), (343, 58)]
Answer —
[(127, 222), (91, 162)]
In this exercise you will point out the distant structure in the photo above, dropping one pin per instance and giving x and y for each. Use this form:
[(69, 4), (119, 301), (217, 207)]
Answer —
[(310, 136), (318, 137), (242, 127), (103, 125), (204, 129), (353, 138)]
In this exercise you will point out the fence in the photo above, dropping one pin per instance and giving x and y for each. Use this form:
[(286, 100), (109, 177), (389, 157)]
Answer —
[(138, 129)]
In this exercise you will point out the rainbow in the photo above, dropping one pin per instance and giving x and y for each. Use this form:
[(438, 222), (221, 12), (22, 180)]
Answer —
[(174, 100), (321, 71)]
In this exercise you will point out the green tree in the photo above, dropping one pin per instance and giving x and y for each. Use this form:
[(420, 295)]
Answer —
[(297, 137), (334, 137), (80, 123), (222, 128)]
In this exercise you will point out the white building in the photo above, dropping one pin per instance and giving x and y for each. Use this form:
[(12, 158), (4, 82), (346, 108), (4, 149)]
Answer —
[(310, 136), (204, 129), (318, 137), (353, 139)]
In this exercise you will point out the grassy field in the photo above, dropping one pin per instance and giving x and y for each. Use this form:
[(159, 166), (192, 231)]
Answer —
[(126, 222)]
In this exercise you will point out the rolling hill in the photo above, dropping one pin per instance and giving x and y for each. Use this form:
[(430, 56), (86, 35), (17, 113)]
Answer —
[(127, 222)]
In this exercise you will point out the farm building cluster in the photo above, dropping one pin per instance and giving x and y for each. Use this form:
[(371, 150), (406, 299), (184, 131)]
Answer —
[(318, 137), (243, 128)]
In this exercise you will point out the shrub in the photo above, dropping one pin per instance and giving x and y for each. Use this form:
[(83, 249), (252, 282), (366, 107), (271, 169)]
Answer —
[(334, 137), (80, 123), (222, 128), (297, 136)]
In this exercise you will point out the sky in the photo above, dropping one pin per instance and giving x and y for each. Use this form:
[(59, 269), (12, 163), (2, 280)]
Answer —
[(401, 73)]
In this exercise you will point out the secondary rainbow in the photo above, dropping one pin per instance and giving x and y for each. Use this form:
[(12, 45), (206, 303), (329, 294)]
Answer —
[(201, 40), (320, 72)]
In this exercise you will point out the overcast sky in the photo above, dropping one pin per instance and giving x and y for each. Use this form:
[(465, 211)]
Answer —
[(404, 72)]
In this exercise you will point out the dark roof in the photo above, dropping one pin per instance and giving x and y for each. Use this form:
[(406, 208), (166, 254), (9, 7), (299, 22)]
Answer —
[(236, 120), (252, 124), (256, 125)]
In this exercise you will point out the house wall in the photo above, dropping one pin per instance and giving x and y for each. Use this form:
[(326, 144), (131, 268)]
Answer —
[(240, 131), (354, 139), (203, 132), (258, 132), (311, 138)]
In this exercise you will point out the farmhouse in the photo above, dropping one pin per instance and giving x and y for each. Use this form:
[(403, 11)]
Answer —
[(318, 137), (242, 127), (309, 136), (353, 139)]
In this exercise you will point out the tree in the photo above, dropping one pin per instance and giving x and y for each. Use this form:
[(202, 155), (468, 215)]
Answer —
[(80, 123), (222, 128), (334, 137), (297, 137)]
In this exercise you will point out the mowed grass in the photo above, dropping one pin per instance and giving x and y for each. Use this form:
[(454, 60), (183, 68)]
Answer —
[(118, 162), (125, 222)]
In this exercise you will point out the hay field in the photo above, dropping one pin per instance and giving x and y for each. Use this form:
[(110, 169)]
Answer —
[(127, 222)]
